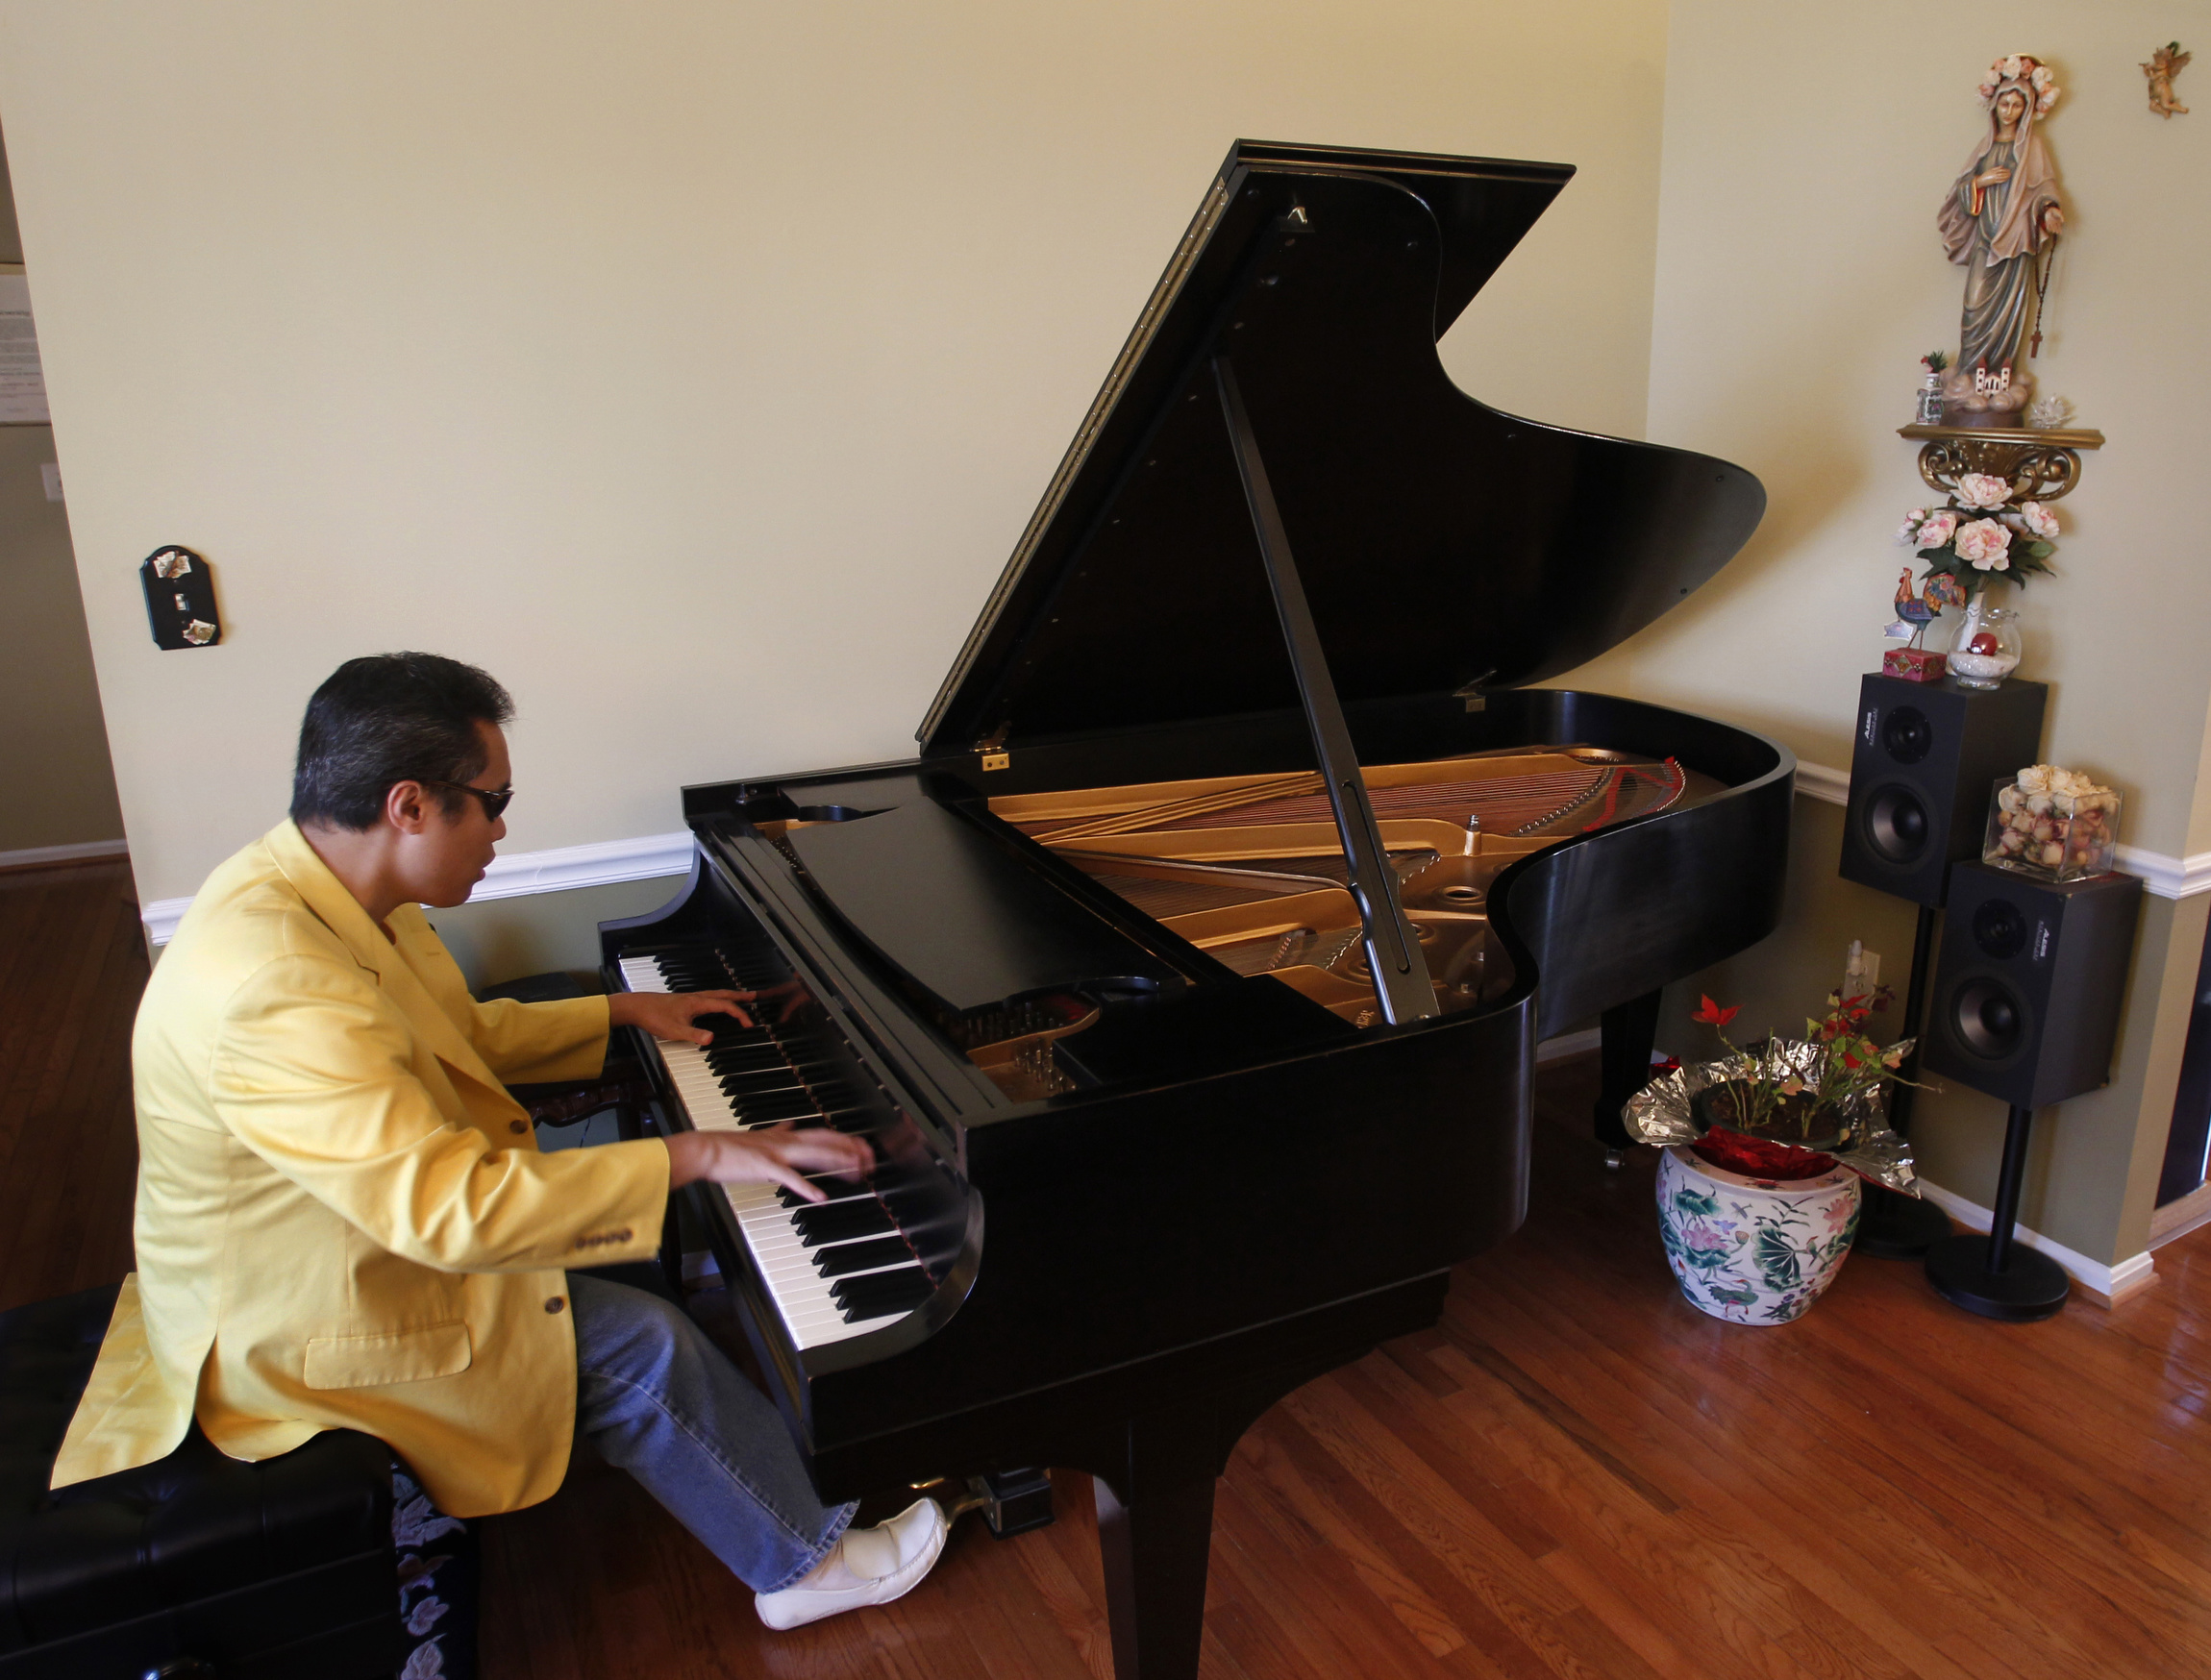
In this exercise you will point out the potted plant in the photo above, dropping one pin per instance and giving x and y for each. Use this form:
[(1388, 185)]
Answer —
[(1764, 1147)]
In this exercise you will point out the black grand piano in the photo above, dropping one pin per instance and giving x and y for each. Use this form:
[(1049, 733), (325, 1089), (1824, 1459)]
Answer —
[(1188, 981)]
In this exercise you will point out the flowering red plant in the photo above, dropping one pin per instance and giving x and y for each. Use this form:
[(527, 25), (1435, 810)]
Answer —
[(1843, 1071), (1712, 1015)]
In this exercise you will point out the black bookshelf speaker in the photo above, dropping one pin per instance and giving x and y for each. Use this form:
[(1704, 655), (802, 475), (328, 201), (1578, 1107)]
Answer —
[(2026, 992), (1926, 761)]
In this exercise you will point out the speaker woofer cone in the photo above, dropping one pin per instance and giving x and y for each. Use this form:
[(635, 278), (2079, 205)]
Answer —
[(1895, 827), (1988, 1019)]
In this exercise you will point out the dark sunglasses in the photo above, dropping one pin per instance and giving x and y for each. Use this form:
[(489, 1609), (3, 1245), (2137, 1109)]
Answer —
[(493, 799)]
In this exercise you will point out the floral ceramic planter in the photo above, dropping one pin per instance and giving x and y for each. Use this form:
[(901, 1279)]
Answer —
[(1752, 1251)]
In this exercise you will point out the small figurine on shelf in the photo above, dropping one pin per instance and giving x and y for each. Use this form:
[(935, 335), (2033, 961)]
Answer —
[(1916, 609), (1931, 391)]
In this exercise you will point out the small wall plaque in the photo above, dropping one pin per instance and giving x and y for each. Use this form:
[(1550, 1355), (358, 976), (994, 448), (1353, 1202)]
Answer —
[(180, 599)]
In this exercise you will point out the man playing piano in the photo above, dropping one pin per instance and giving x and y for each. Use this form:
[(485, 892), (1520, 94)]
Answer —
[(343, 1220)]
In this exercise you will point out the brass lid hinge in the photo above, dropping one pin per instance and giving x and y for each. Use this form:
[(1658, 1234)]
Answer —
[(991, 749), (1471, 694)]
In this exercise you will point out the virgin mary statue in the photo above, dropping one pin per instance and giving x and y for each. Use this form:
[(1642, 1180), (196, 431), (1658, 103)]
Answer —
[(1999, 215)]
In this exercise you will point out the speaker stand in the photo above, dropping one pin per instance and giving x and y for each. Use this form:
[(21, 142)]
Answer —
[(1893, 1227), (1995, 1276)]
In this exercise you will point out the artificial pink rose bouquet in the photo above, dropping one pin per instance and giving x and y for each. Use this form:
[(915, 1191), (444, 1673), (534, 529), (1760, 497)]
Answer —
[(1935, 530), (1978, 490), (1981, 536), (1984, 545)]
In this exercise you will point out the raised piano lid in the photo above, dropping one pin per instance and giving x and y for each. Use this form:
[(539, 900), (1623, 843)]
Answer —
[(1441, 543)]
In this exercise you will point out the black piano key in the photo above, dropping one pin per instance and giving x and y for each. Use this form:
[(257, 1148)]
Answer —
[(881, 1304), (753, 1085), (729, 1032), (834, 1189), (841, 1221), (763, 1079), (896, 1284), (741, 1089), (774, 1107), (849, 1257), (740, 1057), (693, 976)]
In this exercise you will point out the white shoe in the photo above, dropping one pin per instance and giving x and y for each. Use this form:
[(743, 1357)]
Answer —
[(869, 1566)]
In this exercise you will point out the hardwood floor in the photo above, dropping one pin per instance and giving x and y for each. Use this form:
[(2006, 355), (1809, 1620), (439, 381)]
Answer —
[(1575, 1474), (72, 964)]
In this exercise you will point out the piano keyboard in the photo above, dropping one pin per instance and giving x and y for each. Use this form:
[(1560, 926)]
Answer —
[(833, 1268)]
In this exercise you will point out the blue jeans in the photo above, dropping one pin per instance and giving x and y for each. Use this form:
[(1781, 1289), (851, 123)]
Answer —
[(659, 1400)]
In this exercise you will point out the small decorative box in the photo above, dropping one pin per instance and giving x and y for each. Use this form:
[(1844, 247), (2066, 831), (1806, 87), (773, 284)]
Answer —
[(1915, 664), (2053, 823)]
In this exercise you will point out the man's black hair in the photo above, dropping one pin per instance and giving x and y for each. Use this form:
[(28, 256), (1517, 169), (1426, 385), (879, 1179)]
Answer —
[(389, 718)]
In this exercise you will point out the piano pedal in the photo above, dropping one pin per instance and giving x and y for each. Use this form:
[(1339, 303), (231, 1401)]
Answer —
[(1011, 1502), (1615, 1160)]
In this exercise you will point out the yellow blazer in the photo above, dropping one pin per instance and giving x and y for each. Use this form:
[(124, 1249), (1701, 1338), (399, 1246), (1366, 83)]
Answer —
[(342, 1217)]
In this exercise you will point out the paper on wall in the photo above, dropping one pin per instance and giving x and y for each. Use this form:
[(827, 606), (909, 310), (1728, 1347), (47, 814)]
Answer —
[(22, 383)]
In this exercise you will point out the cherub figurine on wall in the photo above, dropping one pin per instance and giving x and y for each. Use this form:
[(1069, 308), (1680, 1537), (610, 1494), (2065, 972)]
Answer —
[(1999, 216), (2165, 63)]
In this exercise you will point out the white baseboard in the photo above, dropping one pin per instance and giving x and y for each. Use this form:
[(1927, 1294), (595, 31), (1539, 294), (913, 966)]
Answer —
[(1822, 782), (2108, 1284), (2166, 875), (82, 852), (1568, 1044), (161, 917), (2177, 1217), (566, 868), (2162, 874), (560, 869)]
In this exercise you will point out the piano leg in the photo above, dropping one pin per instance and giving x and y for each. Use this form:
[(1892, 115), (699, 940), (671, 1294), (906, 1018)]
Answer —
[(1623, 1067), (1156, 1525), (1156, 1547)]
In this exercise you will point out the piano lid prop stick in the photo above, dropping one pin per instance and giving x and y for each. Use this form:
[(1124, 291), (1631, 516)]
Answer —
[(1401, 983)]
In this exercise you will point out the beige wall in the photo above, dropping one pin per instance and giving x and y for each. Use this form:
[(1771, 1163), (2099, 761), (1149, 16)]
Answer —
[(1798, 278), (503, 939), (693, 366)]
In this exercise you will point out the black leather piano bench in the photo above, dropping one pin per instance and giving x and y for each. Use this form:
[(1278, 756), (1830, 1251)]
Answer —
[(193, 1568)]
